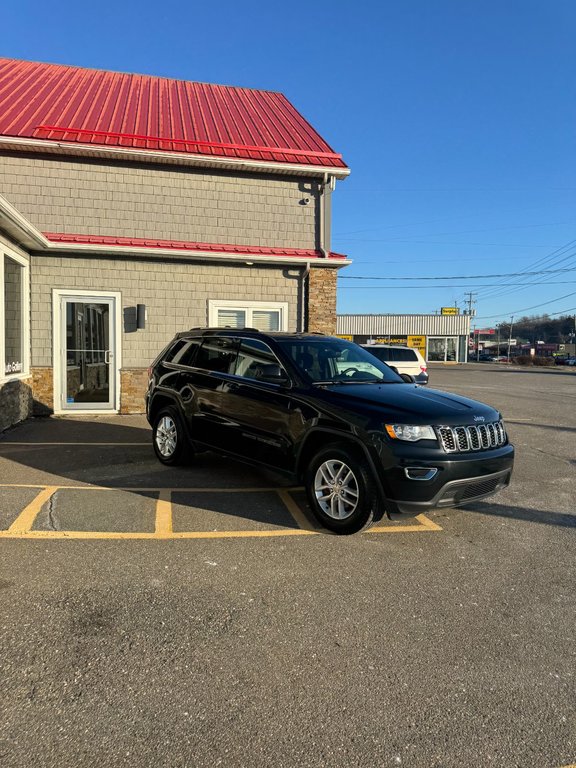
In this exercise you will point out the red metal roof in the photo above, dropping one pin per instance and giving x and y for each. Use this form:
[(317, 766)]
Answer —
[(87, 106), (183, 245)]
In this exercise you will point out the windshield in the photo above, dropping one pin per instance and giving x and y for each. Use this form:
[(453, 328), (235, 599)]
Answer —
[(335, 361)]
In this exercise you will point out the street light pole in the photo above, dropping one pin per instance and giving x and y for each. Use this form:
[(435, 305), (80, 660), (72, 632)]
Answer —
[(510, 336)]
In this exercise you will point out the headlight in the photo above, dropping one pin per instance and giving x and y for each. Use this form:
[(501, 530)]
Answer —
[(410, 432)]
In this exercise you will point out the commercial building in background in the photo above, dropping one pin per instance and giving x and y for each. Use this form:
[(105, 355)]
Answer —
[(441, 338), (132, 207)]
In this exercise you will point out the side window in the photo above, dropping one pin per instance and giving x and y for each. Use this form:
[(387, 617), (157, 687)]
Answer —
[(217, 354), (182, 352), (257, 361), (187, 355), (406, 356)]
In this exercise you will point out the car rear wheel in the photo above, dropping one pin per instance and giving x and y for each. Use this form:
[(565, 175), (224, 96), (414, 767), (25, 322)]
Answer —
[(168, 437), (340, 491)]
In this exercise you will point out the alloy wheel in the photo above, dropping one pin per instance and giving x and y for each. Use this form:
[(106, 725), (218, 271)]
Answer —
[(336, 489)]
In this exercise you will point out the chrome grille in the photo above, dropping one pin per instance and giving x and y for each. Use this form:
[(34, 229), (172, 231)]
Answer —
[(472, 438)]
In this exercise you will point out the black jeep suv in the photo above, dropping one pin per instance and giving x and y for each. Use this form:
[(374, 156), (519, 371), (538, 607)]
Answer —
[(329, 414)]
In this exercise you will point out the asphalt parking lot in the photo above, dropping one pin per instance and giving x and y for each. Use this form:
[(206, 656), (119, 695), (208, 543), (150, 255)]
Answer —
[(195, 616)]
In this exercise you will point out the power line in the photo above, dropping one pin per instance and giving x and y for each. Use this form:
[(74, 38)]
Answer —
[(461, 277), (526, 309)]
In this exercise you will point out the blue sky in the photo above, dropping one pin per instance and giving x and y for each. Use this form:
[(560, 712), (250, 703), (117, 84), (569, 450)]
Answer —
[(457, 118)]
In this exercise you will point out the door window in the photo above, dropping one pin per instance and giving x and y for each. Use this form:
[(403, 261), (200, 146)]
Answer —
[(257, 361), (217, 354)]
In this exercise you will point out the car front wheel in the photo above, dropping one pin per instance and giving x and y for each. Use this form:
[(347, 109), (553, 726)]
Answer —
[(168, 437), (340, 491)]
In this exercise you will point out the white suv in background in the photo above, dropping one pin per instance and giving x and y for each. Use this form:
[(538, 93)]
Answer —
[(404, 359)]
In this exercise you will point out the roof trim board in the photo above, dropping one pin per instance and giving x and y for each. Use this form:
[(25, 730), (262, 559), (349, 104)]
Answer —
[(168, 158)]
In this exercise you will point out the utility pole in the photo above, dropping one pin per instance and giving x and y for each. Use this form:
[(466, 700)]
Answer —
[(471, 301), (510, 336)]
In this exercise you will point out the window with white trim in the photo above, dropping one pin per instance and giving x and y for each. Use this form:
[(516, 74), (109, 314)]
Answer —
[(14, 323), (265, 316)]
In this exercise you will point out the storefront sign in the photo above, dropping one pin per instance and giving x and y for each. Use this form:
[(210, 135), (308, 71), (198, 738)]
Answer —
[(344, 336), (419, 343), (400, 340), (449, 311), (13, 368)]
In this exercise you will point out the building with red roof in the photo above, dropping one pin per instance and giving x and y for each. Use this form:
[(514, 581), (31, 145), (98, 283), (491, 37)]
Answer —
[(132, 207)]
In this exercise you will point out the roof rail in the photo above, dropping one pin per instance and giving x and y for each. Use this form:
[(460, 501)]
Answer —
[(222, 328)]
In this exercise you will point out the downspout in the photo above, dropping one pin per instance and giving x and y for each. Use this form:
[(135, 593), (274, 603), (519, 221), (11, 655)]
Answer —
[(322, 217), (304, 297)]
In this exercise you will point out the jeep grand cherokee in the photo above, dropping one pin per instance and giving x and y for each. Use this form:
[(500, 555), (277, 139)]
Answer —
[(329, 414)]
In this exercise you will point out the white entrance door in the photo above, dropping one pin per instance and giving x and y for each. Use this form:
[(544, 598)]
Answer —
[(86, 375)]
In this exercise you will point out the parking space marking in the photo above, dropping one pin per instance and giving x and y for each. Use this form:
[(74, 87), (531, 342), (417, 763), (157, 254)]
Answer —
[(299, 517), (164, 513), (25, 519), (38, 445), (21, 528), (425, 524)]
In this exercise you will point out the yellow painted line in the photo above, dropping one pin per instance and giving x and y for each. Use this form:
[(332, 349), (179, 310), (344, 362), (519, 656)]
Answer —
[(425, 524), (25, 519), (299, 517), (36, 445), (156, 536), (21, 527), (164, 513), (137, 489)]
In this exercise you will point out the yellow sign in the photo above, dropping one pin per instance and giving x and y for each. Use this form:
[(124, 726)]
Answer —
[(344, 336), (419, 343), (449, 311)]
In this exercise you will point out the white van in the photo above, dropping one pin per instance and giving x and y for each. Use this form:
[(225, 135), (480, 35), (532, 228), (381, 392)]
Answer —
[(404, 359)]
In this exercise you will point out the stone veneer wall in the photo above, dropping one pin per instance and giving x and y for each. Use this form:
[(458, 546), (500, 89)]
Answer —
[(15, 402), (322, 300), (133, 385), (42, 391)]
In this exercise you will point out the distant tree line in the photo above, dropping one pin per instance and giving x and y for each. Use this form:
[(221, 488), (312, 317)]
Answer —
[(558, 330)]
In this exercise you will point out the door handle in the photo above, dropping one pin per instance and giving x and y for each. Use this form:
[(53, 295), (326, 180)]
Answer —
[(108, 355)]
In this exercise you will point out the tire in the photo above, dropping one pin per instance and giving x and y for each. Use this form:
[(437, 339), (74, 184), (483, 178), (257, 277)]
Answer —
[(341, 491), (169, 438)]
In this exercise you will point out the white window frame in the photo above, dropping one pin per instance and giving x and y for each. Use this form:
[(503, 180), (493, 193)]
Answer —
[(23, 262), (248, 306)]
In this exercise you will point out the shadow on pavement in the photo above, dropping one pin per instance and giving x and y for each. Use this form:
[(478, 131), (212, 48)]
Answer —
[(561, 519), (116, 453)]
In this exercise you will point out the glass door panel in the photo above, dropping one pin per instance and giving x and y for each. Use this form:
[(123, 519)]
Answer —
[(89, 376), (437, 349)]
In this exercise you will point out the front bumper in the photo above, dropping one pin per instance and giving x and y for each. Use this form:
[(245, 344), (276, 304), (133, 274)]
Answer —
[(459, 478)]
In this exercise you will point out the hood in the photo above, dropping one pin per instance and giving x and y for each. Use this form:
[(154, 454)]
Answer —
[(407, 403)]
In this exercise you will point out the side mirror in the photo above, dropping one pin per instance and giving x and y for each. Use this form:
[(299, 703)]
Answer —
[(407, 378)]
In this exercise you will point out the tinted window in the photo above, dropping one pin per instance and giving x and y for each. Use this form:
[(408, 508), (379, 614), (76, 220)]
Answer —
[(404, 355), (217, 354), (183, 352), (382, 353), (257, 361)]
